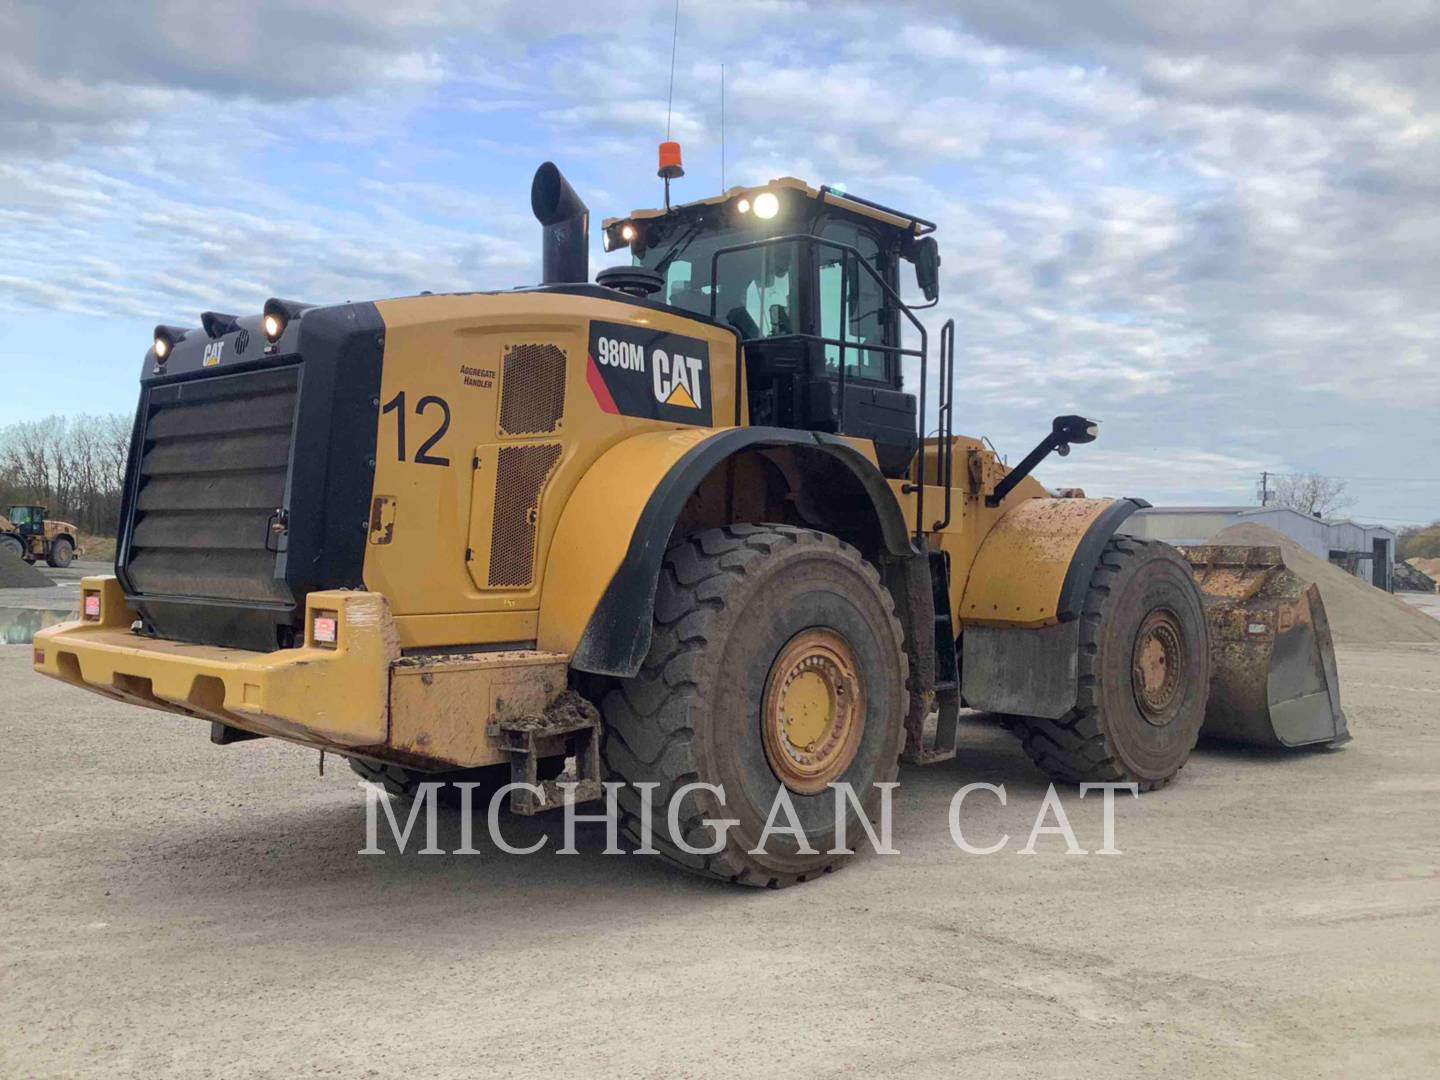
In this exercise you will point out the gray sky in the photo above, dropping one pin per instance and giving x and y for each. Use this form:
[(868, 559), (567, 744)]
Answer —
[(1213, 227)]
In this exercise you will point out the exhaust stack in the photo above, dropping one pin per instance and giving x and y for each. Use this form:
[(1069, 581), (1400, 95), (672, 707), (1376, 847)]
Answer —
[(565, 221)]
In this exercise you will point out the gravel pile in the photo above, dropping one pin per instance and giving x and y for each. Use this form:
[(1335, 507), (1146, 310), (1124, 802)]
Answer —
[(1427, 566), (16, 573), (1359, 613)]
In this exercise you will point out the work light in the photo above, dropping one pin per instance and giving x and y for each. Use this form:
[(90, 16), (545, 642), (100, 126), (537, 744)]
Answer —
[(278, 314), (621, 235), (166, 338)]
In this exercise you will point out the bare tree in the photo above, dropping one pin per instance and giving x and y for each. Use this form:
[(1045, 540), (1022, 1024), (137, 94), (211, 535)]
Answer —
[(26, 454), (75, 467), (114, 449), (1311, 493)]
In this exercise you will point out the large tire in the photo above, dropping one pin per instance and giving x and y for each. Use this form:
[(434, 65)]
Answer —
[(61, 552), (10, 545), (1144, 673), (735, 613)]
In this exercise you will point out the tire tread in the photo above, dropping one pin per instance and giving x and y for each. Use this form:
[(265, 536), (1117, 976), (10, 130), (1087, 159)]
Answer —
[(649, 733), (1076, 748)]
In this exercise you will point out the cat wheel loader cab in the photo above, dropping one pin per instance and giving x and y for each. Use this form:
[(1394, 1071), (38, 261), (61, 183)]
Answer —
[(682, 527), (26, 533)]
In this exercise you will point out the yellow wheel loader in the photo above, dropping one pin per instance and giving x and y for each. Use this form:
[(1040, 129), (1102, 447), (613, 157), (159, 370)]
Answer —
[(28, 534), (682, 527)]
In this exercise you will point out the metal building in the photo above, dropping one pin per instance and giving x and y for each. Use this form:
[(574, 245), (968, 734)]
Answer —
[(1367, 551)]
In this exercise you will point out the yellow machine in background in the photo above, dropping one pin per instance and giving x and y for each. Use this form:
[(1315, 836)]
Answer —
[(679, 526), (28, 534)]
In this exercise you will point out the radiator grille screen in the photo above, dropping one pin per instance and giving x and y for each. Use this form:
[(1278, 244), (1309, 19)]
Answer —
[(519, 483), (532, 389), (212, 472)]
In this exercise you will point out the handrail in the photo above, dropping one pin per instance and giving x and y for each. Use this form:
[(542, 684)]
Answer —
[(946, 416), (847, 252)]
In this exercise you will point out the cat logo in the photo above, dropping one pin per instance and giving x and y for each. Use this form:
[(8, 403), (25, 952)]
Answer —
[(212, 353), (637, 371), (677, 379)]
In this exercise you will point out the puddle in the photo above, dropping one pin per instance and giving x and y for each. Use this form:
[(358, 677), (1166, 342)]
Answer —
[(18, 626)]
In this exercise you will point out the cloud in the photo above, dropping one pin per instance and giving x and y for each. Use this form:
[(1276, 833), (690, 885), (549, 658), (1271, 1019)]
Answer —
[(171, 259), (1217, 228)]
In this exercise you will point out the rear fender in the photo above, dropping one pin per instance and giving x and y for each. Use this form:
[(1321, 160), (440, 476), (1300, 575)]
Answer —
[(604, 563)]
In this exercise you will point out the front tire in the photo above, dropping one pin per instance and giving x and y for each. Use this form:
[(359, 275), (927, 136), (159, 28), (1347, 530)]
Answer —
[(11, 545), (1144, 674), (775, 659), (62, 551)]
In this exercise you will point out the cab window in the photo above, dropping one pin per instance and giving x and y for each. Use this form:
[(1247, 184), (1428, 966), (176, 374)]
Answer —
[(755, 290), (21, 515), (856, 296)]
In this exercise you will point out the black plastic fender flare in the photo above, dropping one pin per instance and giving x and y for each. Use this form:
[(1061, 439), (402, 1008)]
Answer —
[(1087, 554)]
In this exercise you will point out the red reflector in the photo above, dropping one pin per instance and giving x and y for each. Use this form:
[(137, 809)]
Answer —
[(39, 657), (324, 629), (92, 605)]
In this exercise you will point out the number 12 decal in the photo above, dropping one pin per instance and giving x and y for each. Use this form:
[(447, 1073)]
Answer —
[(423, 455)]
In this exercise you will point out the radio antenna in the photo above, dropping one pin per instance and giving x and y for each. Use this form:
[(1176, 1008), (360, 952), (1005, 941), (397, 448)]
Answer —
[(674, 40), (670, 151), (722, 128)]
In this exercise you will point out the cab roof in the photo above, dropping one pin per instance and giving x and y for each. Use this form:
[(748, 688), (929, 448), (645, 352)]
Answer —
[(898, 219)]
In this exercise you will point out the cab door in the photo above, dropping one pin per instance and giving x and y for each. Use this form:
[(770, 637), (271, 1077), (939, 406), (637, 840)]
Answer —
[(860, 328)]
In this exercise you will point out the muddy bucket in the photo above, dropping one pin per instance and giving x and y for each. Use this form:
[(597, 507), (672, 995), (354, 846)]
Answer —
[(1273, 680)]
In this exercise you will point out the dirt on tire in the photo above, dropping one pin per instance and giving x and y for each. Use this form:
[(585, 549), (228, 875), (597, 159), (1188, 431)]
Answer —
[(1106, 737), (728, 601)]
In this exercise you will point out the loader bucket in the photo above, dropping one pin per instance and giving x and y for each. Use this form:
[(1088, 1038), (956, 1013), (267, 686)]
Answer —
[(1273, 680)]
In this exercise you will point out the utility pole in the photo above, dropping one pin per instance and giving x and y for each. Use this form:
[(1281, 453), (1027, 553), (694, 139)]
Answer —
[(1264, 488)]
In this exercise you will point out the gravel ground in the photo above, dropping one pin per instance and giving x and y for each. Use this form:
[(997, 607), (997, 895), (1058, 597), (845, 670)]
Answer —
[(1429, 603), (24, 611), (171, 908), (65, 587)]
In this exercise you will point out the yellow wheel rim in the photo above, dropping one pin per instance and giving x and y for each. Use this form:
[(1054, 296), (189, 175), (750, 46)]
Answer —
[(813, 713), (1158, 666)]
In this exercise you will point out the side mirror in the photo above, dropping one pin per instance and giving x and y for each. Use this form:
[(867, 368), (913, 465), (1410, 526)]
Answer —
[(925, 254), (1065, 430)]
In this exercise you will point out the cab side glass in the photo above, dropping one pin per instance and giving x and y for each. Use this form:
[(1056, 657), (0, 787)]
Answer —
[(852, 303), (757, 291)]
